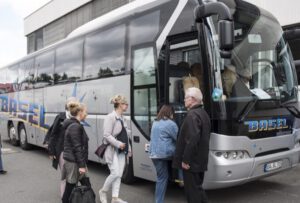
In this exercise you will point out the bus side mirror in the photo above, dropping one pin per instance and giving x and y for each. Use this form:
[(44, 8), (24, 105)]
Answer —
[(226, 38), (225, 24), (291, 34)]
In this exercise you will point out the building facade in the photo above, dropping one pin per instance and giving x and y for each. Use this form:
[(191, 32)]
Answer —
[(56, 19)]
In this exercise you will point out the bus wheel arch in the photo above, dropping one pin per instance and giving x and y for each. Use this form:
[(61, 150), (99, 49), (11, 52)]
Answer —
[(12, 134), (23, 137)]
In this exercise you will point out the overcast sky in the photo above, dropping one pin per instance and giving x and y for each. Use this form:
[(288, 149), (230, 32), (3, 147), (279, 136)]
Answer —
[(12, 39)]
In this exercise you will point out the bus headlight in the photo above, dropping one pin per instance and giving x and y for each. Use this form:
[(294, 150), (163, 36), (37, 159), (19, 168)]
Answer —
[(232, 155)]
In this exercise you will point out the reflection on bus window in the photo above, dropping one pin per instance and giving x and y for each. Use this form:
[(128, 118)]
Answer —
[(68, 62), (45, 68), (144, 67), (26, 75), (12, 77), (4, 87), (105, 53)]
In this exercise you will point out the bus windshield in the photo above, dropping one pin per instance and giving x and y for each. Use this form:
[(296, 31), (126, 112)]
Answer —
[(261, 65)]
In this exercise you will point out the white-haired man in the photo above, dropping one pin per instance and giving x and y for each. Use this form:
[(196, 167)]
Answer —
[(192, 146)]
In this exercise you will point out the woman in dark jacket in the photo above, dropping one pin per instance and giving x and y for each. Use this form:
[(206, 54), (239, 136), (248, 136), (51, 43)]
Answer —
[(54, 139), (75, 148)]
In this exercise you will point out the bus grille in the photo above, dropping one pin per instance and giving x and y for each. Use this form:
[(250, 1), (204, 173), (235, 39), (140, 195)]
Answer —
[(272, 152)]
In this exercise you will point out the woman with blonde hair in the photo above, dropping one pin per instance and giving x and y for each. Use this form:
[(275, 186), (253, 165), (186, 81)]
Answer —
[(116, 135), (75, 152)]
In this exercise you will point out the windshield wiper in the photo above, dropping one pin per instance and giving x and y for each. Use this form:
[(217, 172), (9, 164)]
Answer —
[(247, 109)]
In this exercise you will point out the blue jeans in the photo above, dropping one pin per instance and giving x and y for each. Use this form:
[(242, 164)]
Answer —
[(1, 164), (162, 173)]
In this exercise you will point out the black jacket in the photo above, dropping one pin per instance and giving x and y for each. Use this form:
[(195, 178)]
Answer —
[(75, 143), (55, 138), (54, 127), (193, 142)]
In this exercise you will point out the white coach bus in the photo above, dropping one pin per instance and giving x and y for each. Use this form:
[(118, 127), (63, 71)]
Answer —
[(144, 50)]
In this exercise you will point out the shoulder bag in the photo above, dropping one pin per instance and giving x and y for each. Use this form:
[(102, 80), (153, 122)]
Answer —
[(101, 149)]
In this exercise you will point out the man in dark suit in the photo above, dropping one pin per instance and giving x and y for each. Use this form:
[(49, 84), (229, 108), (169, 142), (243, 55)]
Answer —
[(192, 146)]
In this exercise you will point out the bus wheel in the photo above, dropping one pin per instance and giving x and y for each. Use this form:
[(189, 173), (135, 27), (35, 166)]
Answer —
[(23, 138), (12, 133), (128, 177)]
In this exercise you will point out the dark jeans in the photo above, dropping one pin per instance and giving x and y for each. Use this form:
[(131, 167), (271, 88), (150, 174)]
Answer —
[(193, 187), (162, 172)]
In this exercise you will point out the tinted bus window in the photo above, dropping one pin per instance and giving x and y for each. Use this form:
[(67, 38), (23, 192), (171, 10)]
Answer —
[(26, 75), (68, 65), (12, 77), (3, 86), (45, 69), (105, 53), (145, 28)]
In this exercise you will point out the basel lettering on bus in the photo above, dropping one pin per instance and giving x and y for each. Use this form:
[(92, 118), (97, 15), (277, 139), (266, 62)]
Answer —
[(29, 112), (267, 125)]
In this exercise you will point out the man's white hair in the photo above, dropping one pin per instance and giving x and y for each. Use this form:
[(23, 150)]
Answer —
[(194, 92)]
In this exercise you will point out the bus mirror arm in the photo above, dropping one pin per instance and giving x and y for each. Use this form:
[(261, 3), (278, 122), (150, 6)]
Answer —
[(291, 34), (225, 24), (293, 110)]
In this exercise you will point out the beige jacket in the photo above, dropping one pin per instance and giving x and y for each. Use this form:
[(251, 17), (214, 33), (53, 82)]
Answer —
[(112, 127)]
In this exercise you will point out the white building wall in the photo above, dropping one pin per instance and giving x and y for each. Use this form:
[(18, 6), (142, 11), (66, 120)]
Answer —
[(50, 12), (286, 11)]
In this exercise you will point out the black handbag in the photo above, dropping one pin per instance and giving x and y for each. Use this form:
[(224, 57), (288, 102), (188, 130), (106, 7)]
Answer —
[(101, 150), (123, 137), (83, 193)]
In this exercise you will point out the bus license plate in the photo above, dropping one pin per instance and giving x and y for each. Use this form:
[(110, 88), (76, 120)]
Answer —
[(272, 166)]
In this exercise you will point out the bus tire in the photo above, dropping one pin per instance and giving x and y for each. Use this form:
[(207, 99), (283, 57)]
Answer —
[(12, 134), (128, 177), (23, 138)]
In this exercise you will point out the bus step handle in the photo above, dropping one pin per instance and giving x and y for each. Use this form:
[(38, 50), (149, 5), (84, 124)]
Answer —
[(136, 139)]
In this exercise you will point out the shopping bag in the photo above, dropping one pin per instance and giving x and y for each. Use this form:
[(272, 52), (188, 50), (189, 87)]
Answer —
[(82, 194)]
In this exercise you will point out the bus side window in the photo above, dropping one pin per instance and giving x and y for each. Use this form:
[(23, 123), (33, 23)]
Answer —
[(105, 57), (44, 64), (4, 87), (12, 77), (68, 66), (26, 75)]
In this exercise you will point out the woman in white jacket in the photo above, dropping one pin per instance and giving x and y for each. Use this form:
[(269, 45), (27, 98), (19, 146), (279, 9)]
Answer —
[(115, 126)]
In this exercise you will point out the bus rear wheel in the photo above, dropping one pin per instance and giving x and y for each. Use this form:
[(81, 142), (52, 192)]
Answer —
[(12, 134), (128, 177), (23, 138)]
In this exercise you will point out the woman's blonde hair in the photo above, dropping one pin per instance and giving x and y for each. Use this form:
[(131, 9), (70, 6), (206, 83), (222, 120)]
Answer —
[(75, 107), (117, 100), (70, 99)]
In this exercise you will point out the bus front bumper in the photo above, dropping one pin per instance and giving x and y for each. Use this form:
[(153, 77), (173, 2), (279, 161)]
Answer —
[(224, 173)]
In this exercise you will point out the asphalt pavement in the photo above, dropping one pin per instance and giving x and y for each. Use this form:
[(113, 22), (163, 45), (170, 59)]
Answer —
[(31, 179)]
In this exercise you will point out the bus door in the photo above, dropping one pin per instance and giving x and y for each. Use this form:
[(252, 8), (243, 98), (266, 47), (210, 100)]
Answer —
[(144, 108), (180, 69)]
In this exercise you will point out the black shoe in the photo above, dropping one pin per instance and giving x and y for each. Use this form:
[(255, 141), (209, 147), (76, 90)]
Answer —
[(3, 172)]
